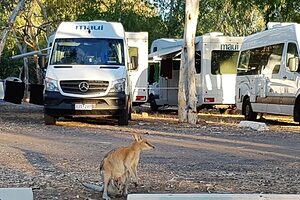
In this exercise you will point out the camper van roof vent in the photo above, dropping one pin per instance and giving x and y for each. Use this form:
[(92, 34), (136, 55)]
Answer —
[(214, 34), (272, 25)]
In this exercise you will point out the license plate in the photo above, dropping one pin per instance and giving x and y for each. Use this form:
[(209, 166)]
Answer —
[(83, 106)]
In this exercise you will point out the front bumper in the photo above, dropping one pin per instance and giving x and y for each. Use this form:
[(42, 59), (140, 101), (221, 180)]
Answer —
[(58, 105)]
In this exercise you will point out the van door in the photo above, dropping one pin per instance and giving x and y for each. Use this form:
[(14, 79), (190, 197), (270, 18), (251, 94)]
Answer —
[(138, 75), (269, 85), (223, 76), (198, 77), (173, 86), (166, 75), (289, 78)]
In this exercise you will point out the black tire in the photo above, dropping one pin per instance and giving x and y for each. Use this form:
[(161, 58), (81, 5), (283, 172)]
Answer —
[(49, 120), (248, 112), (123, 118), (125, 115), (153, 105), (222, 110), (297, 110)]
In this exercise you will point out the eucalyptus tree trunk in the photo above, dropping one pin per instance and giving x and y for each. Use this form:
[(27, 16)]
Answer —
[(187, 100), (10, 23)]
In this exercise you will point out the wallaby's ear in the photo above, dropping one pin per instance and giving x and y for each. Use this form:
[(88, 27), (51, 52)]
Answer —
[(148, 143), (137, 137)]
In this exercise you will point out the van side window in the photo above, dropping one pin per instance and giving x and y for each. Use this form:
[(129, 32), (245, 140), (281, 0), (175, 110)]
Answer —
[(134, 57), (243, 66), (260, 60), (274, 55), (292, 57), (223, 62)]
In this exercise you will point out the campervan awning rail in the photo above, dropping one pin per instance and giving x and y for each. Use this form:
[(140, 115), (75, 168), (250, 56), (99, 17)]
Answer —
[(24, 55), (158, 54)]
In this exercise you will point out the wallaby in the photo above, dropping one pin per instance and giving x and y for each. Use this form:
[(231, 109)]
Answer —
[(120, 164)]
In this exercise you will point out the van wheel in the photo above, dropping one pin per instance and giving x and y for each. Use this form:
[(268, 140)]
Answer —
[(124, 117), (153, 105), (248, 112), (222, 110), (297, 110), (49, 120)]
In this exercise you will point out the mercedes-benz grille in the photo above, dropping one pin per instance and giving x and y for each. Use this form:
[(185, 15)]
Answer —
[(84, 87)]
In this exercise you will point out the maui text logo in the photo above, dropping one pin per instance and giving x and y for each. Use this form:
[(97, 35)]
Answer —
[(91, 28), (229, 47)]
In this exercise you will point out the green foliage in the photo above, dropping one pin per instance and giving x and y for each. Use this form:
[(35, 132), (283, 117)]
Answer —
[(231, 17), (230, 20), (172, 13), (160, 18), (134, 15), (9, 67), (273, 10)]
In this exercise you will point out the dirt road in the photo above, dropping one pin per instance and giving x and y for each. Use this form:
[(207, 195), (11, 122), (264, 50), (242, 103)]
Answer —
[(214, 156)]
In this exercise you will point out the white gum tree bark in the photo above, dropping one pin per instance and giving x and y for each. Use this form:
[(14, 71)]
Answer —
[(187, 100)]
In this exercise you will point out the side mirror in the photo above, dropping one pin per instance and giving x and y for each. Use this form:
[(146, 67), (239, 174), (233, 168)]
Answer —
[(293, 64)]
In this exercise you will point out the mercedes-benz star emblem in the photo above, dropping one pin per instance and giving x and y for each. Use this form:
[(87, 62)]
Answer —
[(83, 86)]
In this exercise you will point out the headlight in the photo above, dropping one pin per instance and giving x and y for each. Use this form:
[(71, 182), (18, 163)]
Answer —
[(118, 85), (51, 85)]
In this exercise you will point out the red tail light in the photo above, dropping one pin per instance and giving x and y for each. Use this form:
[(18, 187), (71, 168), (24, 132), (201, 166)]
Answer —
[(209, 100), (140, 98)]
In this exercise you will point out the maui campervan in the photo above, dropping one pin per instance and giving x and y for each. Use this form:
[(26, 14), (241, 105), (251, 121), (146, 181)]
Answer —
[(268, 77), (87, 72), (215, 61)]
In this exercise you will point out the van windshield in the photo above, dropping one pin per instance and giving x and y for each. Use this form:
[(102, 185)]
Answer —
[(88, 51)]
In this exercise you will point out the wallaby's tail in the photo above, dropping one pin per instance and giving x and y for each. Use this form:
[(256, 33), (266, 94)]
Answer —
[(97, 188)]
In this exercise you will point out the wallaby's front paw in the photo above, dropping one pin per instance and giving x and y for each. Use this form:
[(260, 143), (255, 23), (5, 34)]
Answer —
[(106, 197)]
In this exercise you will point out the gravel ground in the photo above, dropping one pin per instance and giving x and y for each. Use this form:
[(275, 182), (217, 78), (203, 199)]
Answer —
[(214, 156)]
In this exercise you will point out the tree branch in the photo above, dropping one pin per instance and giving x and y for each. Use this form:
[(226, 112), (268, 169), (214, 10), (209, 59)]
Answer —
[(10, 23)]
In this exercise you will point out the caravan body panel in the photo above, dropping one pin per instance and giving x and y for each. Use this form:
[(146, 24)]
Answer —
[(269, 71), (215, 58)]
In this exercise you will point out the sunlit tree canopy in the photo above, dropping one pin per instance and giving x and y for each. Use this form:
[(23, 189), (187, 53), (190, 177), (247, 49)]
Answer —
[(160, 18)]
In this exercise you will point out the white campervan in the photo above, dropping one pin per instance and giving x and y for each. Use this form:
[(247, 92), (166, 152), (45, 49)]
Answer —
[(215, 61), (138, 69), (268, 77), (87, 72)]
